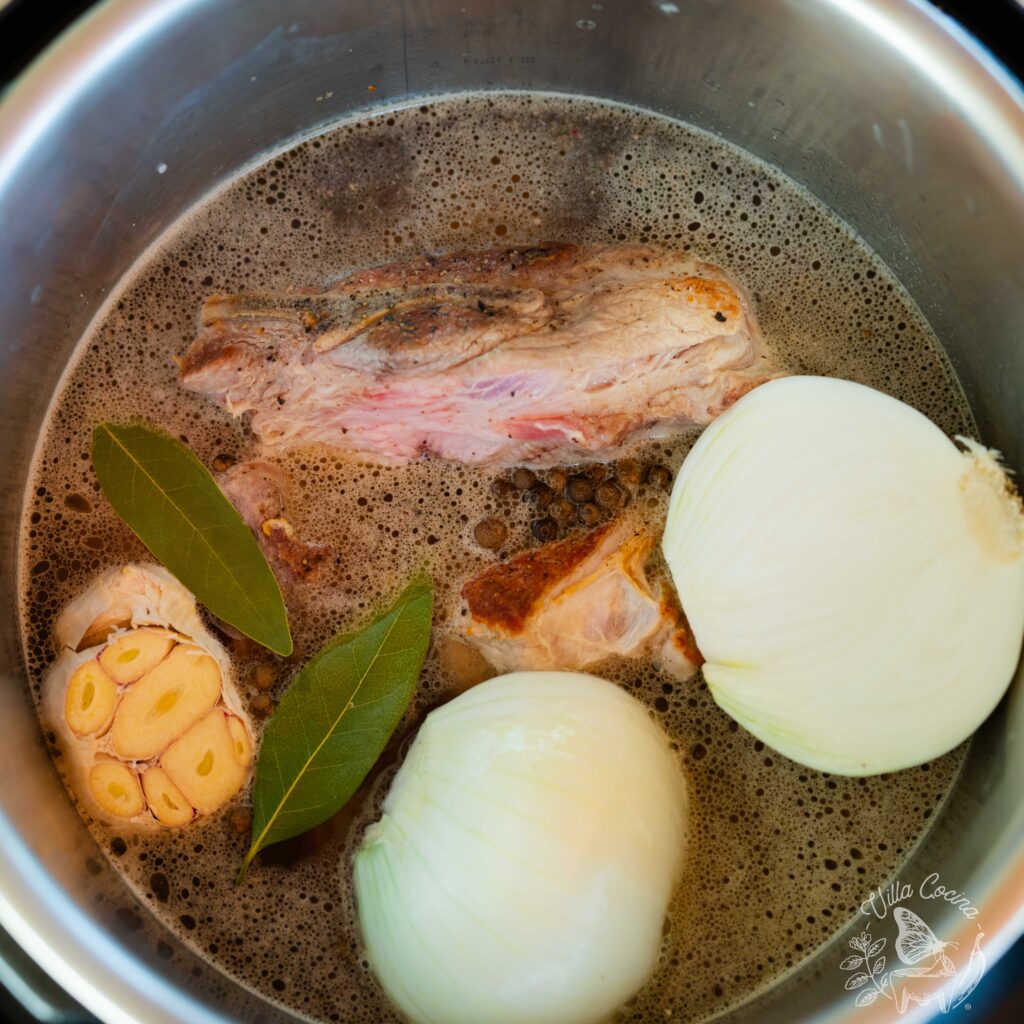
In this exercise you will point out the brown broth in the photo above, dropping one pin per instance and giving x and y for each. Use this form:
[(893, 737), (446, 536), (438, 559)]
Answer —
[(781, 856)]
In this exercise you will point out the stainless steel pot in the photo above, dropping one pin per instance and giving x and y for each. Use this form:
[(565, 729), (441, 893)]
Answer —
[(882, 108)]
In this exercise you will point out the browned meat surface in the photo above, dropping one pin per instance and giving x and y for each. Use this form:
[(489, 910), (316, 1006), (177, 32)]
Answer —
[(260, 491), (525, 355), (573, 602)]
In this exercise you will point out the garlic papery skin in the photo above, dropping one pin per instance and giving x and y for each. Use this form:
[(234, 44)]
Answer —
[(854, 580), (524, 862)]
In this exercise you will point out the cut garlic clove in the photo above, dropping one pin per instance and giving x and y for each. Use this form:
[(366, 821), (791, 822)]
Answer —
[(132, 655), (165, 800), (101, 629), (204, 763), (115, 787), (91, 699), (241, 740), (164, 703)]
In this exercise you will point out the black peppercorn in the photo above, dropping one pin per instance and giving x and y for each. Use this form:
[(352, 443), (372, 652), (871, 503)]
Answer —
[(579, 489), (502, 488), (261, 705), (263, 677), (562, 510), (540, 495), (490, 533), (608, 495), (240, 821), (557, 479), (523, 478), (659, 476), (544, 529)]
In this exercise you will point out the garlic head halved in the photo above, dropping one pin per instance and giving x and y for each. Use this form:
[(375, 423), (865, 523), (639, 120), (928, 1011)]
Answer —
[(142, 701)]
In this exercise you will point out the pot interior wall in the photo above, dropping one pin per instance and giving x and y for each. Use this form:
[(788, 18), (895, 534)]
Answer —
[(876, 108)]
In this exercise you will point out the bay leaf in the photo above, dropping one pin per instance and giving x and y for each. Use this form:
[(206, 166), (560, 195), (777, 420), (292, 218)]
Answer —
[(336, 718), (174, 506)]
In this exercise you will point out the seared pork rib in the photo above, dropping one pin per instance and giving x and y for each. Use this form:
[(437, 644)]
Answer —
[(261, 492), (573, 602), (527, 355)]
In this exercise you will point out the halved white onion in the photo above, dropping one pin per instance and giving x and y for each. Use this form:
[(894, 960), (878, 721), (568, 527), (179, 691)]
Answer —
[(853, 578)]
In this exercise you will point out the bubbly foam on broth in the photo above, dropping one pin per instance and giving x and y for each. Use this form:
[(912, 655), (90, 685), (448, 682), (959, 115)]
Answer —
[(781, 856)]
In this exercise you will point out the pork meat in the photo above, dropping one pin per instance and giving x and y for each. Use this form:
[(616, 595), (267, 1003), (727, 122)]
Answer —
[(261, 492), (536, 356), (574, 602)]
